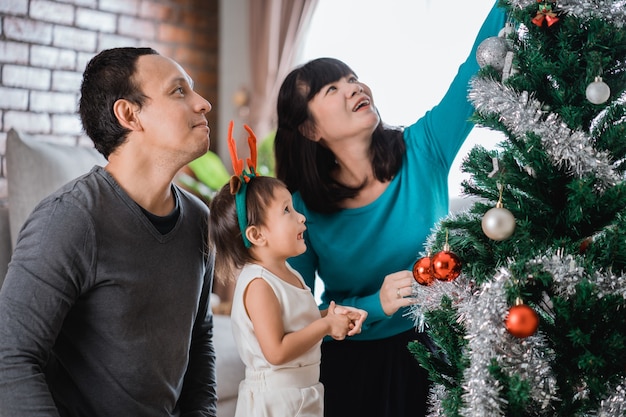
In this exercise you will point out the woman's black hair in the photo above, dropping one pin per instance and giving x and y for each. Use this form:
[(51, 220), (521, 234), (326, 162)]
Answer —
[(306, 166)]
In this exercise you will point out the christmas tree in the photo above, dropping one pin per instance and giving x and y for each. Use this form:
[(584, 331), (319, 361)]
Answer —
[(525, 293)]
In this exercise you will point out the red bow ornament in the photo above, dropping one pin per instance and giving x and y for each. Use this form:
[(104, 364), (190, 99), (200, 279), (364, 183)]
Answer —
[(545, 13)]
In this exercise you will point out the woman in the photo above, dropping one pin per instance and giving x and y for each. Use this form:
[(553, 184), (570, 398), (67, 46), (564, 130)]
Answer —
[(371, 195)]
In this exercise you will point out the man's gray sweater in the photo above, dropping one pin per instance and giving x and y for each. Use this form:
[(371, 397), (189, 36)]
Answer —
[(102, 315)]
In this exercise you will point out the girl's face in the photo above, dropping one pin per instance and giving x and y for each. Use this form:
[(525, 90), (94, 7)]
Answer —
[(284, 226), (342, 110)]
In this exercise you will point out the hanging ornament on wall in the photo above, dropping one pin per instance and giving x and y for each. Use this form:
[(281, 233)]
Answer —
[(521, 320), (546, 13), (446, 265), (598, 91), (498, 223), (422, 271)]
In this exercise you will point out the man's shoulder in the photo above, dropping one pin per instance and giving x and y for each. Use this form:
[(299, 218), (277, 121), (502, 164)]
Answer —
[(188, 199), (84, 189)]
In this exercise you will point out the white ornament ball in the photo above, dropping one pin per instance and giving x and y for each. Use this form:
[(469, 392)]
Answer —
[(506, 30), (492, 51), (498, 223), (598, 92)]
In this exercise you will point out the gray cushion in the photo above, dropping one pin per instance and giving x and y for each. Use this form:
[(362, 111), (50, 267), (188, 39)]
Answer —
[(36, 168)]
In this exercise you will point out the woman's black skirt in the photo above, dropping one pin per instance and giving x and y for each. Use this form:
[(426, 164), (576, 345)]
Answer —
[(378, 378)]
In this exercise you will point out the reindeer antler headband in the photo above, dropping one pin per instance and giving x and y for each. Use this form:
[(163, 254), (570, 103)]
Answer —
[(239, 181)]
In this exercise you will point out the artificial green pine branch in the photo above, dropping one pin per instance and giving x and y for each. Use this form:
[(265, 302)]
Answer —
[(560, 172)]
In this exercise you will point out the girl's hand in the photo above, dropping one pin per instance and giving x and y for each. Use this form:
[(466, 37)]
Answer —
[(396, 292), (356, 316), (339, 324)]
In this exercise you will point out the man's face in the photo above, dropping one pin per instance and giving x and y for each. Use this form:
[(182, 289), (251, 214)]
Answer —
[(173, 116)]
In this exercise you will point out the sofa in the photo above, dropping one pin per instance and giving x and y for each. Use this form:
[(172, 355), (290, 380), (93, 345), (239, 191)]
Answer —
[(34, 169)]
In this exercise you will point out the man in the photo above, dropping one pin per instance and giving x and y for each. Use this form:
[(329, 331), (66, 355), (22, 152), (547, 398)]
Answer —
[(105, 307)]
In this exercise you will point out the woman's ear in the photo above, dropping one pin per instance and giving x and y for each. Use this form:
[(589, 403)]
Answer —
[(308, 130), (255, 236), (126, 113)]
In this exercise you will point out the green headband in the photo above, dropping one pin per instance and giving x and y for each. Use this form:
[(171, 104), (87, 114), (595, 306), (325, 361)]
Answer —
[(239, 181)]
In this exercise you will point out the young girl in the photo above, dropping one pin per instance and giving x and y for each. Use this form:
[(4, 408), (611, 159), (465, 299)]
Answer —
[(277, 326)]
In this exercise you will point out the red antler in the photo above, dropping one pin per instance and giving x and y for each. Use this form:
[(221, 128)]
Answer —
[(238, 167), (252, 145), (232, 147)]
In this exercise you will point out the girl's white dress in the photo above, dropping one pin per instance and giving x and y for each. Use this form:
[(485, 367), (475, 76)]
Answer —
[(290, 389)]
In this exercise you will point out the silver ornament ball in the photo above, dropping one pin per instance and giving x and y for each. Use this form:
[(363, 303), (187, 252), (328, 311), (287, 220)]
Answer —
[(492, 51), (498, 223), (598, 91)]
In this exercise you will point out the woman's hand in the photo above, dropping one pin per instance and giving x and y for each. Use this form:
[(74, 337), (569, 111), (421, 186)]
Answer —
[(396, 292)]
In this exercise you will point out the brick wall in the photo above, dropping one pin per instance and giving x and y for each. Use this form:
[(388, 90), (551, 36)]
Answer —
[(45, 45)]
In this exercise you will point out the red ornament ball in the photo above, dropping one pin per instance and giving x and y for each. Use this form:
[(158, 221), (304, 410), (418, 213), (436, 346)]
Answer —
[(584, 245), (422, 272), (446, 265), (522, 321)]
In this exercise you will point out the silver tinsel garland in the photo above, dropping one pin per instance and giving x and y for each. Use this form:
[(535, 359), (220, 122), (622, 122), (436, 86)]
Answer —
[(613, 11), (488, 341), (567, 274), (437, 394), (521, 113), (483, 318), (615, 404), (482, 312), (429, 297)]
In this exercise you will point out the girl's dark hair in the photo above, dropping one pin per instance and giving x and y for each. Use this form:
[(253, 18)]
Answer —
[(306, 166), (224, 233), (108, 77)]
